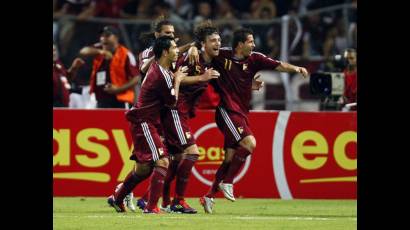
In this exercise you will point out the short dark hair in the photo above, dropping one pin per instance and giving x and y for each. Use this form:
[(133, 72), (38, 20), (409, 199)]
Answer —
[(162, 43), (203, 30), (159, 22), (240, 35)]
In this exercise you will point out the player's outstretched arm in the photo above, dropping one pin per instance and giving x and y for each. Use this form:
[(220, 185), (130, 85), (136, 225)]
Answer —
[(146, 65), (206, 76), (289, 68), (193, 53)]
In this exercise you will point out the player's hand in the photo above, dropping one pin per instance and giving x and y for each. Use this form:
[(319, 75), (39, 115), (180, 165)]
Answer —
[(107, 54), (302, 71), (209, 74), (111, 89), (193, 55), (77, 63), (257, 84), (179, 75)]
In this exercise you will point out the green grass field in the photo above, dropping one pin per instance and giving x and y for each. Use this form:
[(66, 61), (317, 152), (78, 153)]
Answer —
[(94, 213)]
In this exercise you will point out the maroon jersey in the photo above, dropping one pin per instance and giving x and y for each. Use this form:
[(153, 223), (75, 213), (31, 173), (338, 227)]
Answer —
[(60, 85), (156, 92), (143, 57), (234, 84), (189, 95)]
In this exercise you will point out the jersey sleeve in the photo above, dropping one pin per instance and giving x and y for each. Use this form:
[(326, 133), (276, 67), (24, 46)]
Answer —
[(166, 89), (143, 57), (131, 67), (262, 62), (225, 52)]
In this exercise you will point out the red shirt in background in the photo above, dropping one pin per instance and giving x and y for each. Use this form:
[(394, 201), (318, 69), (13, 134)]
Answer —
[(209, 99), (351, 87)]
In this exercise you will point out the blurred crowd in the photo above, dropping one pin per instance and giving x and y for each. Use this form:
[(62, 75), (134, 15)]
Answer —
[(323, 35)]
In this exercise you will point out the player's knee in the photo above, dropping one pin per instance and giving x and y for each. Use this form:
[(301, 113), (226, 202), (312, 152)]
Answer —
[(252, 145), (193, 150), (163, 162), (229, 155), (143, 169), (249, 143)]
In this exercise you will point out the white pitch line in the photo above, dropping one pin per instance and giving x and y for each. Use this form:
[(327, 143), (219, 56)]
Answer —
[(220, 217)]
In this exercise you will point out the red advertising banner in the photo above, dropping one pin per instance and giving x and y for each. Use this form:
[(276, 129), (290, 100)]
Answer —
[(298, 155)]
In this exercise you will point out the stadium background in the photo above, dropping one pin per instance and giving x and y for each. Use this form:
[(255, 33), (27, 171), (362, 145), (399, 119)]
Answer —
[(317, 148), (308, 33)]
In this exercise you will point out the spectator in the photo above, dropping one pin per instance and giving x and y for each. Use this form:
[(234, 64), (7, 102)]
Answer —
[(226, 12), (136, 9), (163, 8), (266, 8), (313, 36), (242, 6), (352, 32), (272, 42), (108, 8), (204, 12), (115, 71), (350, 93), (61, 75), (184, 8), (336, 40), (262, 10), (65, 28)]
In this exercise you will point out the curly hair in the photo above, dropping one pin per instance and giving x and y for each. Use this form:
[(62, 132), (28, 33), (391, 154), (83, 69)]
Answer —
[(203, 30)]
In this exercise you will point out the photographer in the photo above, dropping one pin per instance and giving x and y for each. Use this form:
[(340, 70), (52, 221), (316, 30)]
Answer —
[(350, 73)]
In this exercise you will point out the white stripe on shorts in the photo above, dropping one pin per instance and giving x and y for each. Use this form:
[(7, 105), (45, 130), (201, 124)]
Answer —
[(150, 141), (229, 124), (178, 126)]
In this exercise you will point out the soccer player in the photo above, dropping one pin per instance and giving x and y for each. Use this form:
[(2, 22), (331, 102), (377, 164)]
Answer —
[(237, 67), (162, 27), (159, 89), (178, 136)]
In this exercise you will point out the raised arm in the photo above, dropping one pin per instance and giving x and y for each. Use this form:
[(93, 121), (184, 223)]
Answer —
[(289, 68)]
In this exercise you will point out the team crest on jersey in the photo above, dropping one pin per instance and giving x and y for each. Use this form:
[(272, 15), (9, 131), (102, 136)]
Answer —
[(197, 70), (188, 135), (161, 151), (240, 129), (245, 66)]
